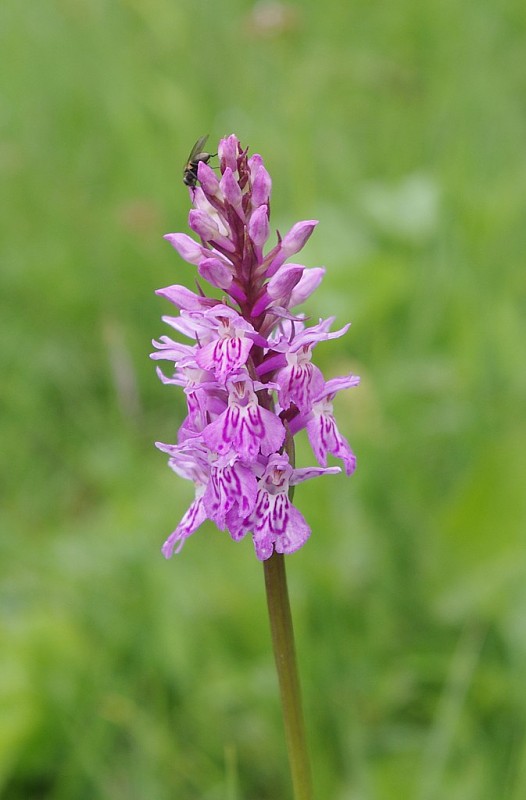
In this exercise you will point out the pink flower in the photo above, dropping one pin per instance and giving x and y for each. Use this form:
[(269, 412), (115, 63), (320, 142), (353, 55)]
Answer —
[(322, 430), (245, 427), (275, 523)]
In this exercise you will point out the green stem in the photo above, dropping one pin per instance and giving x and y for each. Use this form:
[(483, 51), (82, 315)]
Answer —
[(285, 655)]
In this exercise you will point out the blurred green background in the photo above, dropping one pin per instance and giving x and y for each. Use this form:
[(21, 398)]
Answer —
[(402, 127)]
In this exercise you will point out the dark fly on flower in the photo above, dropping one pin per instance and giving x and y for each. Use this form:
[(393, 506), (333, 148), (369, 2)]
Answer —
[(197, 154)]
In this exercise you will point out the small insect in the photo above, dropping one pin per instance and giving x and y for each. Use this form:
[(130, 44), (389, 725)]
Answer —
[(196, 155)]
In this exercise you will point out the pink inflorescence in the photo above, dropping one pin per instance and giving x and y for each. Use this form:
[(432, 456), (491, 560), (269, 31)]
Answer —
[(247, 374)]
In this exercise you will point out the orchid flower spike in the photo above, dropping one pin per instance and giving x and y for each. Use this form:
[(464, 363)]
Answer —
[(246, 366)]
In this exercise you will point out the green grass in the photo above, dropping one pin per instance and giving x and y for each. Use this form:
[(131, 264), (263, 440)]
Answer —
[(401, 127)]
